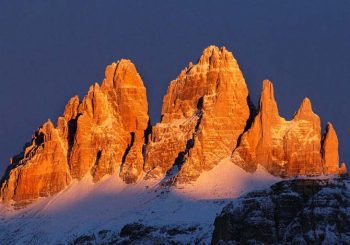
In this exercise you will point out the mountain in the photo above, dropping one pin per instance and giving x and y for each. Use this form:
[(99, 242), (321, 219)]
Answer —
[(101, 135), (96, 213), (299, 211), (102, 173), (206, 116), (205, 110), (287, 148)]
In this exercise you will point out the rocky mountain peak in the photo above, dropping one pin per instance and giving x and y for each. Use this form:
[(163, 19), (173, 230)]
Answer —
[(343, 170), (71, 109), (214, 56), (286, 148), (206, 116), (267, 92), (330, 150), (204, 111), (267, 105), (305, 111), (121, 74), (102, 134)]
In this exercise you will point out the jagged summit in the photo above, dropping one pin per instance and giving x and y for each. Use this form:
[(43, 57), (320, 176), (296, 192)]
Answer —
[(101, 135), (206, 117), (267, 103), (121, 74), (267, 91), (204, 112), (212, 54), (330, 150), (286, 148), (305, 110)]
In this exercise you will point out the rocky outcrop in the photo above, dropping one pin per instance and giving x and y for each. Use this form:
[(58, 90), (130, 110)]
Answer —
[(206, 117), (40, 170), (110, 126), (204, 112), (301, 211), (343, 170), (137, 233), (103, 134), (330, 151), (287, 148)]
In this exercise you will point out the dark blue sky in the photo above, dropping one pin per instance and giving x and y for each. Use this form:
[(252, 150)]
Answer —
[(52, 51)]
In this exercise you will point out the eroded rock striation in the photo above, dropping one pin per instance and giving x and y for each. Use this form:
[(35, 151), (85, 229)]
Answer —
[(100, 135), (204, 112)]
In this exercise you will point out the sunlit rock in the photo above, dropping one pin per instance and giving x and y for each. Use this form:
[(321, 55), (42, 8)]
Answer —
[(101, 135), (286, 148), (204, 112)]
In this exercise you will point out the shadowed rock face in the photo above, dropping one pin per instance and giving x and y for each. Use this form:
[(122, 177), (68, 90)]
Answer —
[(204, 112), (137, 233), (287, 148), (290, 212), (103, 134)]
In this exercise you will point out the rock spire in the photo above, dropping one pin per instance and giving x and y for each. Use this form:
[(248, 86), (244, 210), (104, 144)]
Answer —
[(206, 116)]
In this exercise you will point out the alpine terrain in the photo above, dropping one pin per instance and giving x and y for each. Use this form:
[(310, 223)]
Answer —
[(216, 169)]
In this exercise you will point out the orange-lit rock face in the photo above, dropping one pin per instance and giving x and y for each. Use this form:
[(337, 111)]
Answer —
[(342, 169), (285, 148), (205, 117), (110, 126), (103, 134), (41, 171), (204, 112), (330, 151)]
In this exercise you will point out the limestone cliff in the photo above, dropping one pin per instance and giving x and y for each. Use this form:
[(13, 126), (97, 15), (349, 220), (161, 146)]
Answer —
[(330, 151), (287, 148), (103, 134), (110, 125), (206, 116), (40, 170), (204, 112)]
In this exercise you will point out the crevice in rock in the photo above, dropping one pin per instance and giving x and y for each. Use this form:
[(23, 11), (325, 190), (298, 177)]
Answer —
[(72, 130), (115, 72), (171, 175), (97, 160), (127, 150), (322, 150), (146, 134), (252, 114), (39, 138)]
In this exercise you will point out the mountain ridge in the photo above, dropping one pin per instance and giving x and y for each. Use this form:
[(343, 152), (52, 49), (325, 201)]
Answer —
[(206, 116)]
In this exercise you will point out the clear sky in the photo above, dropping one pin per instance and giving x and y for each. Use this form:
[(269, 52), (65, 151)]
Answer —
[(52, 51)]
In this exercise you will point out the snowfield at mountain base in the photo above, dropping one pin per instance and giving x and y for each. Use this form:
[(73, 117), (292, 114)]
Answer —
[(86, 208)]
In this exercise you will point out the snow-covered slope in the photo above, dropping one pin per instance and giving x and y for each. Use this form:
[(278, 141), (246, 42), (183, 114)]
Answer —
[(86, 208)]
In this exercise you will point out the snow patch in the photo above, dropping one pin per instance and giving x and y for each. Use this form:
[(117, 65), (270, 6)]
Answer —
[(86, 208), (227, 180)]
